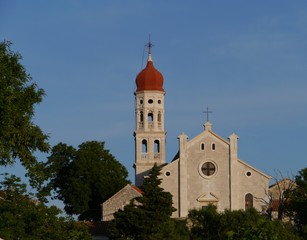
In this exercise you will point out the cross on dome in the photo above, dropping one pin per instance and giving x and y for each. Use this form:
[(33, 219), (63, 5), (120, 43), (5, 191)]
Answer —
[(149, 46)]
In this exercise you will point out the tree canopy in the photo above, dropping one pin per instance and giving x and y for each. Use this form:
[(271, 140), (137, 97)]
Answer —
[(83, 178), (207, 223), (22, 217), (298, 202), (148, 216), (19, 136)]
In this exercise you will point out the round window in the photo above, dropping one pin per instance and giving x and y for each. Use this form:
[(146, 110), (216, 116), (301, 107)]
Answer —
[(208, 168), (159, 101), (150, 101), (167, 173), (248, 174)]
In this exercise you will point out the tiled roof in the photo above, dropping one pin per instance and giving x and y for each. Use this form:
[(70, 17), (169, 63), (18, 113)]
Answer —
[(137, 189)]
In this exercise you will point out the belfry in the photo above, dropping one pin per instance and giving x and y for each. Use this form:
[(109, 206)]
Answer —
[(149, 134)]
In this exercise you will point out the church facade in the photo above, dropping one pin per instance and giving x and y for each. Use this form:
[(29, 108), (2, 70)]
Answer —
[(206, 169)]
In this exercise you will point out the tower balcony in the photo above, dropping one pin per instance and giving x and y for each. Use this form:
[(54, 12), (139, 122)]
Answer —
[(150, 156), (151, 126)]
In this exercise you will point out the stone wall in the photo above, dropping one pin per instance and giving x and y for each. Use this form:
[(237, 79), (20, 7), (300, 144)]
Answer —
[(119, 201)]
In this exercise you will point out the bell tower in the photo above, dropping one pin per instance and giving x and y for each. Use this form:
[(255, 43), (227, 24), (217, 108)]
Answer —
[(149, 134)]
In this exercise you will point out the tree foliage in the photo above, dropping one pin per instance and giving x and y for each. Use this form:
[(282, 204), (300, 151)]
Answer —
[(148, 216), (19, 136), (21, 217), (83, 178), (298, 202), (207, 223)]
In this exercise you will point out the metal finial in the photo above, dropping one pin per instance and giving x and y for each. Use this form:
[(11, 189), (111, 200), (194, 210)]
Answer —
[(149, 45), (207, 112)]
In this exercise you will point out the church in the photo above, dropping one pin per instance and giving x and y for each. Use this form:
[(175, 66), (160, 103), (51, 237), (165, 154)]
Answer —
[(206, 169)]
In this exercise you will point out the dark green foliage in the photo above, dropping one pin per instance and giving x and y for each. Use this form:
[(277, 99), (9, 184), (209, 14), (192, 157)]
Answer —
[(19, 136), (126, 223), (205, 223), (179, 229), (24, 218), (208, 224), (298, 202), (83, 178), (146, 217), (155, 201)]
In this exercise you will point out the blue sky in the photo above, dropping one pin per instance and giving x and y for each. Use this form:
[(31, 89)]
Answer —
[(245, 60)]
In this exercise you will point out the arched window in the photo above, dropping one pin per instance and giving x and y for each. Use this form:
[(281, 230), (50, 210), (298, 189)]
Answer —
[(202, 146), (141, 116), (248, 201), (213, 146), (157, 146), (150, 117), (144, 146), (159, 117), (150, 120)]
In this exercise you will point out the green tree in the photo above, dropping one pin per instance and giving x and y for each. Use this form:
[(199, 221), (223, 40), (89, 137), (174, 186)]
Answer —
[(207, 223), (298, 202), (83, 178), (148, 216), (21, 217), (19, 136)]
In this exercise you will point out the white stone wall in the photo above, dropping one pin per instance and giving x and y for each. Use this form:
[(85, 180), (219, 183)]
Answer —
[(249, 180), (206, 187), (170, 177)]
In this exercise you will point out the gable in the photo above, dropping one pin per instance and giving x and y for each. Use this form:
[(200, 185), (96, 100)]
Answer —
[(208, 197), (119, 200), (208, 136)]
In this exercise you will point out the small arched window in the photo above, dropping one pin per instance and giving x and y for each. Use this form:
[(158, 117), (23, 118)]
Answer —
[(141, 116), (150, 117), (144, 146), (202, 146), (213, 146), (157, 146), (248, 201), (159, 117)]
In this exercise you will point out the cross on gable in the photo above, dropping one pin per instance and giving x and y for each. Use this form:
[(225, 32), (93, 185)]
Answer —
[(207, 112)]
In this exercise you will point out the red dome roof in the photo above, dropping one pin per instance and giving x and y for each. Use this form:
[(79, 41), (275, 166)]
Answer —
[(149, 78)]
